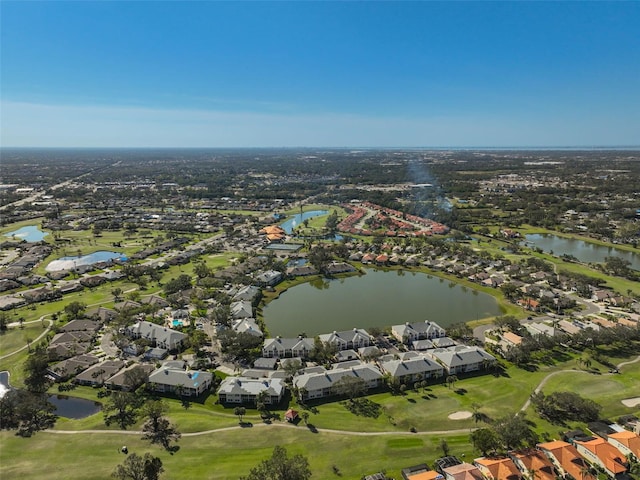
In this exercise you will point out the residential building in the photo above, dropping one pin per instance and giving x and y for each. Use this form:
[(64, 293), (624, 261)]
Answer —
[(421, 472), (99, 373), (598, 451), (462, 471), (172, 379), (287, 347), (533, 464), (247, 325), (241, 309), (501, 468), (566, 459), (462, 359), (158, 335), (627, 442), (119, 381), (246, 390), (248, 293), (65, 369), (538, 328), (269, 278), (349, 339), (319, 382), (413, 369), (410, 332)]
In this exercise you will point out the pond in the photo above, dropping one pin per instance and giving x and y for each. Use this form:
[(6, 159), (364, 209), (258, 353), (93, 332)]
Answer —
[(298, 218), (584, 251), (73, 407), (377, 299), (69, 263), (29, 234)]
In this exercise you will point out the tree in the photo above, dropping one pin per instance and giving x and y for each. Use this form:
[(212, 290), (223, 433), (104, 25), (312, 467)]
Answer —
[(332, 222), (485, 440), (322, 352), (281, 467), (117, 294), (444, 446), (134, 377), (4, 321), (74, 309), (157, 428), (175, 285), (198, 339), (514, 431), (617, 266), (350, 387), (292, 368), (35, 371), (565, 406), (305, 417), (136, 467), (201, 270), (240, 412), (26, 411), (121, 407), (319, 257), (451, 380), (476, 415)]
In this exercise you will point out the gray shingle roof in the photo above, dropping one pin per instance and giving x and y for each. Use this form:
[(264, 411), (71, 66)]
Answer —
[(328, 378), (167, 375), (413, 366), (460, 355)]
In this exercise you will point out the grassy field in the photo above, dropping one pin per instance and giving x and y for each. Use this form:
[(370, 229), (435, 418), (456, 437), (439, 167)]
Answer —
[(224, 455), (16, 337), (230, 453)]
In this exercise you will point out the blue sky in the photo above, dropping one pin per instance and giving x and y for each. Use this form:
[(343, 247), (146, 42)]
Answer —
[(198, 74)]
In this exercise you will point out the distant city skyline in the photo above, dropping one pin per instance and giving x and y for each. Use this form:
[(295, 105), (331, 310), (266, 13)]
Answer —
[(319, 74)]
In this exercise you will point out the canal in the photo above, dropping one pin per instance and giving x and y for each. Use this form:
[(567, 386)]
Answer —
[(584, 251)]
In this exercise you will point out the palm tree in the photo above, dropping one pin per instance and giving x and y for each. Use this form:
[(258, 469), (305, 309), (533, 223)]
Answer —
[(305, 417), (451, 380), (239, 411), (477, 416)]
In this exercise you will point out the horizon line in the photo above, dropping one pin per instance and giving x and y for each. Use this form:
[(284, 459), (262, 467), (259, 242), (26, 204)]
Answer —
[(427, 147)]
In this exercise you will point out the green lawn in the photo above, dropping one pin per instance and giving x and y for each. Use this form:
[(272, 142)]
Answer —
[(230, 453), (16, 337), (223, 455)]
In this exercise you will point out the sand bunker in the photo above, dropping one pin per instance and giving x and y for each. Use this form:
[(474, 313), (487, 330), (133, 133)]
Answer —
[(631, 402), (463, 415)]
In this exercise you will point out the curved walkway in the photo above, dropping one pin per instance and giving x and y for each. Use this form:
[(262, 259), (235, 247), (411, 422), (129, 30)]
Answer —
[(275, 425), (553, 374), (331, 431), (35, 339)]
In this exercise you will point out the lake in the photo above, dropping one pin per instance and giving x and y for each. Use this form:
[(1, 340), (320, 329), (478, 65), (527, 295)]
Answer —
[(377, 299), (29, 234), (584, 251), (298, 218), (69, 263), (73, 407)]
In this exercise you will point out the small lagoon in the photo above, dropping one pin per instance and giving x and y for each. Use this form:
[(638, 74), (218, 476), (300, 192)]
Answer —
[(69, 263), (29, 234), (73, 407)]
